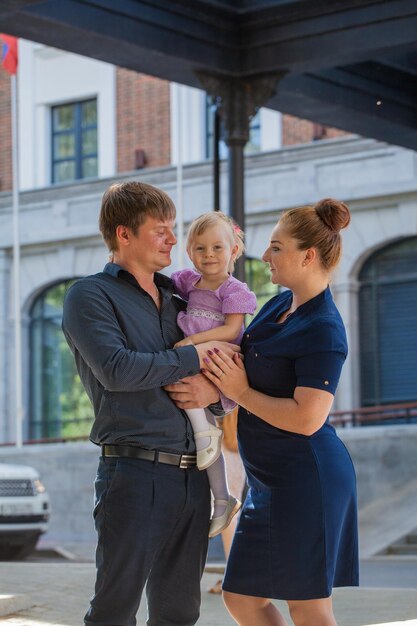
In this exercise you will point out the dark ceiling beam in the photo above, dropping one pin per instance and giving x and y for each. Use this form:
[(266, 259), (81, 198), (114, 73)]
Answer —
[(209, 39), (406, 63), (127, 55), (334, 39), (290, 10), (15, 5), (114, 30), (321, 101), (342, 57), (376, 80), (182, 19)]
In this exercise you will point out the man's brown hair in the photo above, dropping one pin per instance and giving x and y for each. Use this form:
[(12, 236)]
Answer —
[(129, 204)]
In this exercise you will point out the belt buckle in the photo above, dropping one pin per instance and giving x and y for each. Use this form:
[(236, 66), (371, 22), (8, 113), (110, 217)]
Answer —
[(187, 460)]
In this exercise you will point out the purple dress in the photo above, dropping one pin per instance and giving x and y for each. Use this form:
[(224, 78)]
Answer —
[(208, 309)]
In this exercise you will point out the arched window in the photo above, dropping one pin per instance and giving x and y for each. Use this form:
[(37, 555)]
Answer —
[(59, 406), (388, 325)]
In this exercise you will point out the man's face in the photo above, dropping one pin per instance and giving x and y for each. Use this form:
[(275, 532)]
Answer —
[(151, 246)]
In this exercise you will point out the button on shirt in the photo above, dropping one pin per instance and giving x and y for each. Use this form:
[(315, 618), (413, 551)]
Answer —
[(123, 351)]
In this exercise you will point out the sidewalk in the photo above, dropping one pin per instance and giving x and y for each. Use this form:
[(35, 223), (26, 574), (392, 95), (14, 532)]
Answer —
[(59, 593)]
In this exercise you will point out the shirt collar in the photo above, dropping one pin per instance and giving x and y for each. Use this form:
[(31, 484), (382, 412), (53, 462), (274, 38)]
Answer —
[(119, 272), (323, 296)]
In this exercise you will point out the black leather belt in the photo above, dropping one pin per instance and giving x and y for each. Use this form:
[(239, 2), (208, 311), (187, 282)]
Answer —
[(183, 461)]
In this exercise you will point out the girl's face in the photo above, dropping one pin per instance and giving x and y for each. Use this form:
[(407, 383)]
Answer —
[(284, 258), (212, 252)]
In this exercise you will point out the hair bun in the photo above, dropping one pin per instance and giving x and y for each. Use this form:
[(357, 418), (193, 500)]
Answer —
[(333, 213)]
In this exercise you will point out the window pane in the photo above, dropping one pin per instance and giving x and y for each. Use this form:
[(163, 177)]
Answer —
[(259, 280), (64, 171), (89, 141), (64, 117), (74, 141), (89, 113), (59, 404), (388, 334), (254, 143), (53, 300), (64, 146), (89, 167)]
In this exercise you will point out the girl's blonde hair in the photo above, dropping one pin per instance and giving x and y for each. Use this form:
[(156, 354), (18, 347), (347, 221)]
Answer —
[(217, 218)]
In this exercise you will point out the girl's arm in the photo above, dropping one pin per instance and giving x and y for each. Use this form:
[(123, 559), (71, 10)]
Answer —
[(228, 332)]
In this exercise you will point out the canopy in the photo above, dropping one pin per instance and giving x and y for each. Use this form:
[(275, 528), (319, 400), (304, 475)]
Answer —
[(345, 63)]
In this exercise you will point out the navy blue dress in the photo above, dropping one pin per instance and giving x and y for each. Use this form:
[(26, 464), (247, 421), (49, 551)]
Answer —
[(297, 534)]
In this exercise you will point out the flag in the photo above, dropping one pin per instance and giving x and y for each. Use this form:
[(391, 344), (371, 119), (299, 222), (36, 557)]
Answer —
[(9, 53)]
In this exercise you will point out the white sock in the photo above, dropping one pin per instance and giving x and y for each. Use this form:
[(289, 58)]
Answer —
[(200, 423), (218, 484)]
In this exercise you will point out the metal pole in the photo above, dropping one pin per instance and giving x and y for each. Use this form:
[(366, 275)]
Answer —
[(216, 159), (236, 194), (16, 273), (180, 208)]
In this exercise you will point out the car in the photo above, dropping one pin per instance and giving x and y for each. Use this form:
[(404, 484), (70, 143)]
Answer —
[(24, 510)]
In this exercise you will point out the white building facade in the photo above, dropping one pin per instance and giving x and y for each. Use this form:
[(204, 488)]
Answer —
[(375, 286)]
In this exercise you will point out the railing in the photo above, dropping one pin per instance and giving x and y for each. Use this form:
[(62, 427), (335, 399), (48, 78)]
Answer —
[(404, 412), (48, 440)]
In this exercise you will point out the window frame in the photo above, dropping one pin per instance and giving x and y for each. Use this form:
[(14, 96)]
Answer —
[(77, 132), (48, 349), (388, 270)]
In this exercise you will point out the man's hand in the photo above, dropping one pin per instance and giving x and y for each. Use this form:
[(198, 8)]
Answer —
[(193, 392)]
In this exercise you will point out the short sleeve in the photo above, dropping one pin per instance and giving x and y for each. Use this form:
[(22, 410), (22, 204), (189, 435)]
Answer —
[(183, 281), (319, 370), (238, 298)]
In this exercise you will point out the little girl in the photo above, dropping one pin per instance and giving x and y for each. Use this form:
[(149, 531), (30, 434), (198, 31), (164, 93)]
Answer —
[(217, 304)]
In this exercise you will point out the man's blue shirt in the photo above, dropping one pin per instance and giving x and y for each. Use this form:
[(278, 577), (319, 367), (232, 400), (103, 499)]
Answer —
[(123, 351)]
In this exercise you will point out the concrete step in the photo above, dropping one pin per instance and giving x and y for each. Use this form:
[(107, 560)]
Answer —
[(402, 549), (388, 521), (404, 546), (412, 537)]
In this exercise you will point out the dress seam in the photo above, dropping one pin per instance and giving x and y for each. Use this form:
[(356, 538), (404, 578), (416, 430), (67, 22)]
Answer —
[(270, 542), (323, 516)]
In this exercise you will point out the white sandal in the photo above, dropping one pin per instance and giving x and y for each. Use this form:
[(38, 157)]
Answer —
[(218, 524), (206, 456)]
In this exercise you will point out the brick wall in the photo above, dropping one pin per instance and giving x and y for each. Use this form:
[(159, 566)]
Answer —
[(296, 130), (143, 119), (143, 122), (5, 133)]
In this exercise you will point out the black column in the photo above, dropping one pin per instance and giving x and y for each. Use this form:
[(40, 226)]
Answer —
[(216, 159), (236, 172), (238, 99)]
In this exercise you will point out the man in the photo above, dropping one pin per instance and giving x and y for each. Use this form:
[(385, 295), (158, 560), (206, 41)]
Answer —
[(152, 505)]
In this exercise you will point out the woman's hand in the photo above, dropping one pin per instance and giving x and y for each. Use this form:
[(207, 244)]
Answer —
[(228, 374), (184, 342), (204, 349)]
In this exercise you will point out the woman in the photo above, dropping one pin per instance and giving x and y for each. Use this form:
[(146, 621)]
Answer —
[(297, 535)]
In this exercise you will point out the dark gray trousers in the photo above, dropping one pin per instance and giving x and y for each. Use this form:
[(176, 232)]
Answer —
[(152, 522)]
